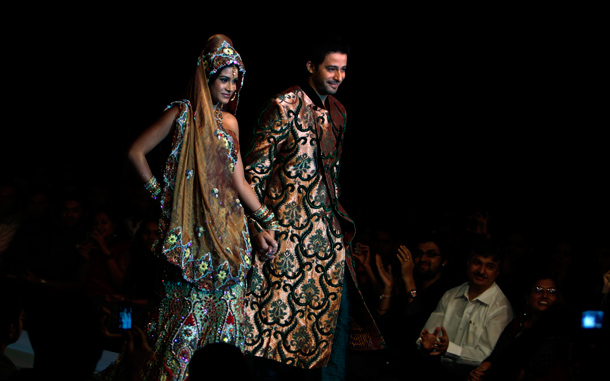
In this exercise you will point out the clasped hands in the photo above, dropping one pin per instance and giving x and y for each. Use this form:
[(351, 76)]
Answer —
[(435, 343), (265, 244)]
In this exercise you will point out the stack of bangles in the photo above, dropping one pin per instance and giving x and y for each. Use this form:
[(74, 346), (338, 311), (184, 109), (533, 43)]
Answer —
[(263, 219), (152, 186)]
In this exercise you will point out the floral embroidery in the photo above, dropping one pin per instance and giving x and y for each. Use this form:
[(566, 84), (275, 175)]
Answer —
[(301, 339), (277, 311), (284, 262), (318, 243), (309, 293)]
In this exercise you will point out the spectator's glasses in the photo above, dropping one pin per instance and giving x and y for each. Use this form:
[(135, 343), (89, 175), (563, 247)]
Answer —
[(428, 253), (540, 290)]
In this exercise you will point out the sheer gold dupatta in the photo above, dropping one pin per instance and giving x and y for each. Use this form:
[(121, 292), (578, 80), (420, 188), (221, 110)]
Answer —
[(203, 224)]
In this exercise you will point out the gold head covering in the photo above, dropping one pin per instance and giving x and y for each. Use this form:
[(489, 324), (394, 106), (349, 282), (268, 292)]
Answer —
[(218, 54), (203, 225)]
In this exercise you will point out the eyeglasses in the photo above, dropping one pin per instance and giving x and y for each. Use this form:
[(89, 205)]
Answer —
[(428, 253), (540, 290)]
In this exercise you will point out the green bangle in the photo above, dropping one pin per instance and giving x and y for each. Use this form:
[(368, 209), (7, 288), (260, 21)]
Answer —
[(152, 186)]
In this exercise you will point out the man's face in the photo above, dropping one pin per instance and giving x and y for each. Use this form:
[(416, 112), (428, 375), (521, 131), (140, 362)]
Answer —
[(482, 272), (72, 213), (427, 259), (327, 77)]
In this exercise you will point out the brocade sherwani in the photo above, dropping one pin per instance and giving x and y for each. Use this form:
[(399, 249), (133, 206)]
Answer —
[(293, 300)]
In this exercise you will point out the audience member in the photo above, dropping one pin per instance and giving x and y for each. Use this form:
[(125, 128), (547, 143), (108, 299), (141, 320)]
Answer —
[(107, 254), (468, 320), (423, 281), (29, 251), (71, 346), (143, 274), (535, 345), (381, 241)]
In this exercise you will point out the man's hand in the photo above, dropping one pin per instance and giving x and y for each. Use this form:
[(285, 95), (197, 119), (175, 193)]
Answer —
[(435, 343), (406, 262)]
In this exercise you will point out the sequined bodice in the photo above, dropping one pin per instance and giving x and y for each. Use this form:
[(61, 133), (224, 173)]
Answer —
[(229, 140)]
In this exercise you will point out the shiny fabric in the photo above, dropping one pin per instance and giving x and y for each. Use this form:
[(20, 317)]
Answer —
[(187, 318), (293, 300), (203, 223), (203, 233)]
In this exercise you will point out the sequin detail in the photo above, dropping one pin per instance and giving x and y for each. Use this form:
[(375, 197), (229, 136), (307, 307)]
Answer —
[(228, 140)]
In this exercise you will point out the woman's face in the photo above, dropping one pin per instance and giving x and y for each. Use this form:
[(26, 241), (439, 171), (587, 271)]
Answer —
[(103, 225), (225, 85), (542, 295)]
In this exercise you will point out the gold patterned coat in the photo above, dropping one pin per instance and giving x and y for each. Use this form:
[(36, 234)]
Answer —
[(293, 300)]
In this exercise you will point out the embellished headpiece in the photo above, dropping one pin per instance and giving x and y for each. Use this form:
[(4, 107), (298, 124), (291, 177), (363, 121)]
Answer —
[(218, 54)]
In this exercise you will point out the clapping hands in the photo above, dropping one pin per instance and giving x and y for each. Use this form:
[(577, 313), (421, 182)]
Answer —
[(435, 343)]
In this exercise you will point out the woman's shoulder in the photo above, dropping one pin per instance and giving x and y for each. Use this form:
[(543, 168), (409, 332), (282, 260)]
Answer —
[(229, 122)]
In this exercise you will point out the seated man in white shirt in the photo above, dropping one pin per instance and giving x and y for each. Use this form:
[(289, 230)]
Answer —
[(469, 318)]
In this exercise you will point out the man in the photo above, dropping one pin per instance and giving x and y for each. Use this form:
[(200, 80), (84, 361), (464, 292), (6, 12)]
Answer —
[(469, 318), (297, 304), (423, 281)]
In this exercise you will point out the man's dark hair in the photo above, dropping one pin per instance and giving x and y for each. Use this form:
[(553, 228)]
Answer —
[(438, 239), (486, 248), (325, 44)]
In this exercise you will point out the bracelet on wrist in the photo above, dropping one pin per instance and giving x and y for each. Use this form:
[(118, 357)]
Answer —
[(152, 186), (265, 219)]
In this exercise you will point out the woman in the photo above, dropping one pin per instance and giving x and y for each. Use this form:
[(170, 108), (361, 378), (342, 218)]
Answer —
[(533, 346), (203, 232)]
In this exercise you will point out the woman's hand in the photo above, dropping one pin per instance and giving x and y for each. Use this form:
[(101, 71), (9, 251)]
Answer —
[(266, 245), (101, 242), (385, 275), (362, 253)]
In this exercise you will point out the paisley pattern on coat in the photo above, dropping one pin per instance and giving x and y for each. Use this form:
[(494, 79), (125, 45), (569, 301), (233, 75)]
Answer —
[(293, 300)]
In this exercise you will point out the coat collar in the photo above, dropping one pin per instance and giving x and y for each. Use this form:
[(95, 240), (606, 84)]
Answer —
[(311, 93)]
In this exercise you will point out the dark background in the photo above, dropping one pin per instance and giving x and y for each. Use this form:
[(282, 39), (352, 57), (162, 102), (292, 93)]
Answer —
[(461, 109)]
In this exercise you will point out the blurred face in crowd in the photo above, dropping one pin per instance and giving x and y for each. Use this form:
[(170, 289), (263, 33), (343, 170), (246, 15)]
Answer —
[(543, 295), (482, 272), (150, 233), (103, 225), (427, 259), (72, 213)]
